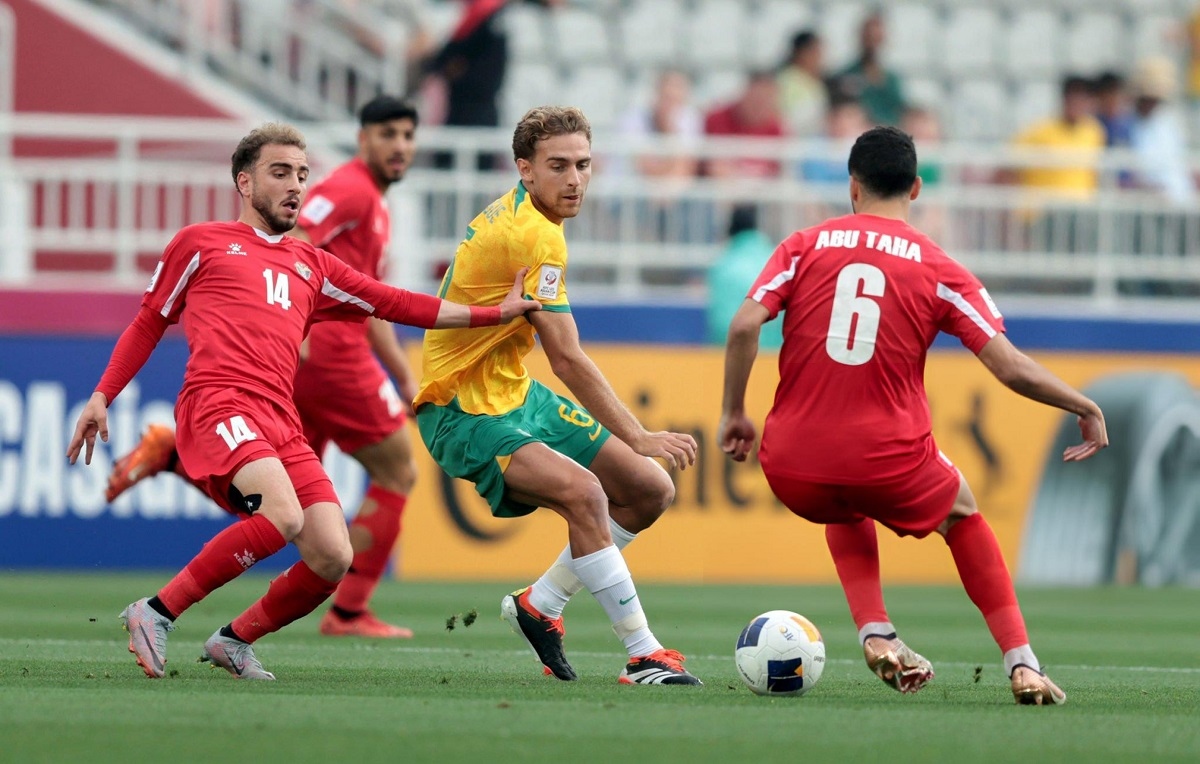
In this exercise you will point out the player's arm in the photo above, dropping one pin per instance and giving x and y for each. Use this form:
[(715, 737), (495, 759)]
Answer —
[(560, 340), (351, 296), (1025, 376), (132, 351), (390, 352), (736, 433)]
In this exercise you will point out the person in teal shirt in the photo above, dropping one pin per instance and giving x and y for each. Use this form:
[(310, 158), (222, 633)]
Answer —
[(732, 275)]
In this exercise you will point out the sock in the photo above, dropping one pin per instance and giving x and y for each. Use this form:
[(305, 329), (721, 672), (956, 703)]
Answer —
[(293, 594), (985, 577), (607, 577), (380, 516), (225, 557), (550, 593), (156, 604), (1020, 655), (883, 629), (855, 553)]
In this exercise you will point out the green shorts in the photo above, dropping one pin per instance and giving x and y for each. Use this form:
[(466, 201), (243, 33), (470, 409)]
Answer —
[(473, 446)]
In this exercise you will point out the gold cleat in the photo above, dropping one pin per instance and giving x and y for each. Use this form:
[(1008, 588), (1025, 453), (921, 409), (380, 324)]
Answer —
[(897, 664), (1033, 688)]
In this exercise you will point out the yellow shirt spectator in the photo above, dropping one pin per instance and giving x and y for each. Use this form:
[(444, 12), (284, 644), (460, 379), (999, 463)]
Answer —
[(1084, 137)]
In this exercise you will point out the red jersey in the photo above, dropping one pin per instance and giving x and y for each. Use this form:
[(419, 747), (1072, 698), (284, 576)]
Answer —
[(864, 296), (247, 299), (346, 214), (725, 121)]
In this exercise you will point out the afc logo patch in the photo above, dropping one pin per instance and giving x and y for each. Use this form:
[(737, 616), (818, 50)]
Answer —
[(549, 280)]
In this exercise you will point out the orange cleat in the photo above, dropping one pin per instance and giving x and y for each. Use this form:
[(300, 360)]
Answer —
[(150, 457), (364, 625)]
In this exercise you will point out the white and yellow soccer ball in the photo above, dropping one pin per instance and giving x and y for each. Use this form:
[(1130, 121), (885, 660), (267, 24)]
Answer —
[(780, 653)]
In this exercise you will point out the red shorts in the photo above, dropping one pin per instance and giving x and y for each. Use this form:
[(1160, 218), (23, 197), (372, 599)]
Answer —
[(914, 504), (220, 430), (353, 408)]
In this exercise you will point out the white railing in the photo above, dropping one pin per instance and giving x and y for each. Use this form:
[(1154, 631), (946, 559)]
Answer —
[(127, 186), (317, 60)]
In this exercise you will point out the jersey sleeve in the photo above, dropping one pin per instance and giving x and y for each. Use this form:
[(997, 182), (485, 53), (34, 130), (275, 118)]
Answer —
[(328, 211), (544, 252), (167, 292), (777, 280), (347, 295), (967, 310)]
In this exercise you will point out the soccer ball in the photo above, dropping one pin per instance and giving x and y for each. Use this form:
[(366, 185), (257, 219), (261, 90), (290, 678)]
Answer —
[(780, 653)]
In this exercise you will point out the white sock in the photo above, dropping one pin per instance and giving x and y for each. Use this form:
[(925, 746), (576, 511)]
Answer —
[(878, 628), (607, 577), (1023, 654), (559, 584)]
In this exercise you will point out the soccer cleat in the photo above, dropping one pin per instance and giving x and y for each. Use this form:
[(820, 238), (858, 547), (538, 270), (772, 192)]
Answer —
[(149, 457), (544, 635), (896, 663), (362, 625), (1033, 688), (147, 636), (659, 667), (235, 656)]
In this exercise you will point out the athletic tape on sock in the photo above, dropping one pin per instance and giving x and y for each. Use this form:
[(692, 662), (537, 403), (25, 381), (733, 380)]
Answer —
[(875, 628), (630, 624)]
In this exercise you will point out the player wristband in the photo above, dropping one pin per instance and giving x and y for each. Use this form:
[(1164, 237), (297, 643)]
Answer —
[(485, 316)]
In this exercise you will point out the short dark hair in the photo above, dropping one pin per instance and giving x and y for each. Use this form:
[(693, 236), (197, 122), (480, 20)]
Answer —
[(804, 39), (884, 161), (245, 156), (385, 108), (743, 217), (1109, 82), (1074, 84)]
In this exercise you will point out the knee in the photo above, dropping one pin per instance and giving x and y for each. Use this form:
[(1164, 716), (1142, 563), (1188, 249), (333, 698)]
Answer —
[(331, 562), (399, 477), (587, 505), (288, 520), (654, 495)]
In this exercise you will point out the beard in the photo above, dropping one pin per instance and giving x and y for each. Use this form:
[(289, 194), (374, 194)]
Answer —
[(276, 222)]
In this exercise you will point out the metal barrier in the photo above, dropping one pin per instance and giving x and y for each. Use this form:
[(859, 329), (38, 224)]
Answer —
[(125, 186)]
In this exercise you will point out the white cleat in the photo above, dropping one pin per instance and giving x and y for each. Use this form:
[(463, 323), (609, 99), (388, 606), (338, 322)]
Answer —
[(235, 656), (147, 636)]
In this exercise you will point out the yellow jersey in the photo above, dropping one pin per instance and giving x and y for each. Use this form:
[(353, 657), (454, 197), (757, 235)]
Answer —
[(484, 367)]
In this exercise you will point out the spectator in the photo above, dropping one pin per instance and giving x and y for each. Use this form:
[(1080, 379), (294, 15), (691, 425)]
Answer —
[(754, 114), (867, 79), (1074, 130), (803, 93), (472, 63), (734, 272), (1158, 138), (671, 114), (1113, 110), (844, 122), (923, 127)]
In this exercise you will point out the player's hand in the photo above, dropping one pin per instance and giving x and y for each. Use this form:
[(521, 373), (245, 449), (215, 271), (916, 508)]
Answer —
[(1095, 437), (677, 448), (408, 394), (93, 420), (515, 304), (736, 434)]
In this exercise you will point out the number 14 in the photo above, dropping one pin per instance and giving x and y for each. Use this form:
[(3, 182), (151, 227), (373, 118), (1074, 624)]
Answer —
[(277, 289)]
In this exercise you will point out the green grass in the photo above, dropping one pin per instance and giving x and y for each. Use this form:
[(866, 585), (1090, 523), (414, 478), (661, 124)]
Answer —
[(1128, 659)]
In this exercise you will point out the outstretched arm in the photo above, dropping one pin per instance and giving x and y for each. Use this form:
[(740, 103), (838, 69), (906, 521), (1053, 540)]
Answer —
[(134, 347), (1027, 377), (560, 340), (736, 432), (390, 352)]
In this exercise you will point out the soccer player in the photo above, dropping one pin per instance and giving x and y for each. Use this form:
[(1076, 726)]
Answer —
[(342, 392), (484, 419), (847, 442), (246, 294)]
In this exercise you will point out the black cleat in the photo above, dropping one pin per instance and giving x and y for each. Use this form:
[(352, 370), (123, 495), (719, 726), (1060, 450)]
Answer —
[(544, 635)]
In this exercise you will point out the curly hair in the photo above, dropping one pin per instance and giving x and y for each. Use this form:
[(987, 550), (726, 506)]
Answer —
[(271, 133), (544, 122)]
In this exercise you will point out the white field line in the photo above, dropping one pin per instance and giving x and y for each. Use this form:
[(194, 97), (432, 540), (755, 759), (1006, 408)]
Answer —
[(388, 648)]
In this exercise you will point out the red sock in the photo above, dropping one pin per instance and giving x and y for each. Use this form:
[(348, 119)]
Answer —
[(985, 577), (225, 557), (379, 515), (855, 553), (293, 594)]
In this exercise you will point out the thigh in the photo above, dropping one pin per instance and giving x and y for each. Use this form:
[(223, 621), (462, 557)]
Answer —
[(822, 503), (354, 410), (325, 533), (306, 473), (627, 476), (537, 475), (563, 425), (917, 503), (387, 456)]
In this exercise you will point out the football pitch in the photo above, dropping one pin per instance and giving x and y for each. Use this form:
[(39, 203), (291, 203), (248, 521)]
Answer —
[(1129, 660)]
